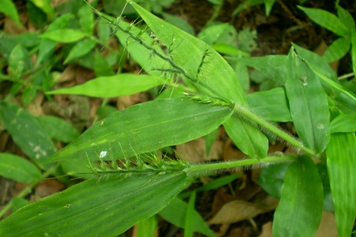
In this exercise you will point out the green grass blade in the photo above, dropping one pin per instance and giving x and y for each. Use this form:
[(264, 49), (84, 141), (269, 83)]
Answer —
[(308, 103), (189, 217), (195, 60), (175, 213), (113, 86), (326, 20), (300, 209), (353, 49), (273, 66), (18, 169), (341, 163), (9, 8), (271, 105), (337, 50), (145, 128), (92, 208), (147, 227), (248, 138), (343, 123)]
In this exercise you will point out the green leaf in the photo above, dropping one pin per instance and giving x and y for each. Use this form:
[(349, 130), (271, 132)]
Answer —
[(271, 178), (16, 62), (178, 22), (145, 128), (101, 67), (345, 17), (326, 20), (300, 209), (353, 49), (189, 217), (246, 4), (147, 227), (80, 49), (343, 123), (273, 66), (317, 63), (9, 9), (268, 5), (26, 132), (105, 208), (86, 19), (308, 103), (337, 50), (18, 169), (209, 141), (271, 105), (341, 162), (48, 46), (248, 138), (64, 35), (195, 60), (58, 129), (18, 203), (45, 6), (217, 183), (113, 86), (175, 213)]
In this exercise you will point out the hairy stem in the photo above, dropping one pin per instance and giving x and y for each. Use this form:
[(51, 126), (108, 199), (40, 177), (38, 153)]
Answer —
[(201, 169)]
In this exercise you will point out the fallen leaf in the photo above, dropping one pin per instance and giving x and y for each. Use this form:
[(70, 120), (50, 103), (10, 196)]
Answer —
[(327, 226), (266, 230), (236, 211)]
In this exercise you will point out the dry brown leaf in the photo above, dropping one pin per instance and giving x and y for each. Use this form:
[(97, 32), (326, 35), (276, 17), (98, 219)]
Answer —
[(327, 226), (236, 211), (266, 230), (219, 200), (48, 187)]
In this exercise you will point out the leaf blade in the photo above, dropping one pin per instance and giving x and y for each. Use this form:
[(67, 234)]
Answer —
[(145, 128), (300, 209), (196, 60), (89, 207), (308, 103), (341, 161), (113, 86)]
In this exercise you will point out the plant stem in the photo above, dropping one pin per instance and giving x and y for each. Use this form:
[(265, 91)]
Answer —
[(200, 169), (285, 136)]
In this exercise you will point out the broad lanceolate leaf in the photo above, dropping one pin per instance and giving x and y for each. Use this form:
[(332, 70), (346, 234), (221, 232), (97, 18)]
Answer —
[(195, 60), (308, 103), (343, 123), (341, 162), (64, 35), (145, 128), (345, 17), (18, 169), (337, 50), (113, 86), (58, 129), (9, 8), (86, 19), (95, 208), (353, 50), (175, 213), (326, 20), (26, 132), (273, 66), (248, 138), (271, 105), (300, 209), (81, 48)]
